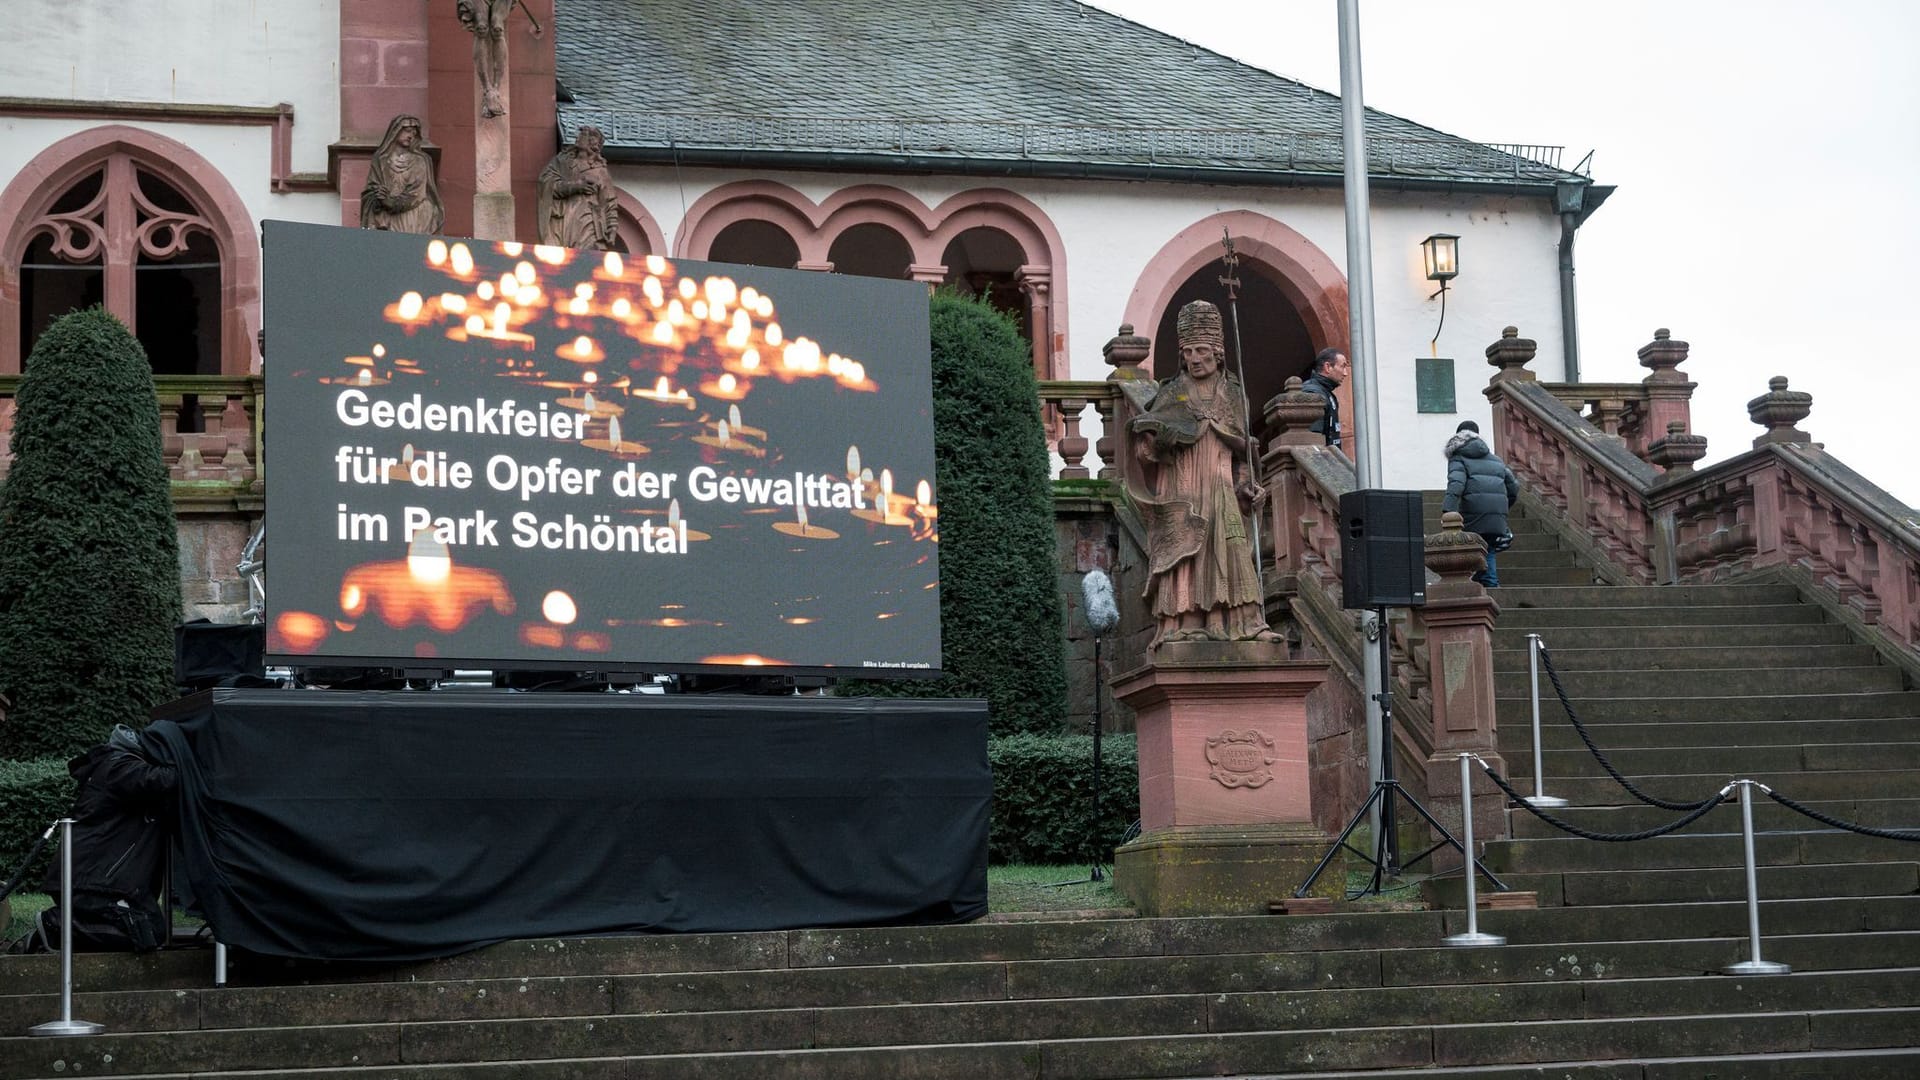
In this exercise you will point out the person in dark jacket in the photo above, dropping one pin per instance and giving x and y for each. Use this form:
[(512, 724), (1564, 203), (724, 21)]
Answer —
[(1482, 489), (122, 819), (1330, 368)]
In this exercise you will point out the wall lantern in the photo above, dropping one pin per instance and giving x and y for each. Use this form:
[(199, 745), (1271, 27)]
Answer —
[(1442, 252)]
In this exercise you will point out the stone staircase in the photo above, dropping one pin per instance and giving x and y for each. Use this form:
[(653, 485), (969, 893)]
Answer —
[(1615, 976)]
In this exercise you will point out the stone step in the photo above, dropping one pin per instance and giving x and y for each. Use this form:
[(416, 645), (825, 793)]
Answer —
[(1710, 682), (1715, 635), (1583, 888), (1558, 733), (1541, 576), (1626, 619), (1902, 813), (1642, 658), (1879, 1064), (1802, 788), (1681, 851), (1671, 596), (1536, 557), (1457, 1025), (1771, 764), (1515, 709)]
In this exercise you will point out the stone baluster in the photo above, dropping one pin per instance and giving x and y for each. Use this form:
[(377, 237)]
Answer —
[(1778, 410), (238, 427), (1103, 446), (1072, 446), (1459, 617), (172, 444)]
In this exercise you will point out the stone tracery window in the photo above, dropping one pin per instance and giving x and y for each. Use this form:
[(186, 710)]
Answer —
[(123, 236)]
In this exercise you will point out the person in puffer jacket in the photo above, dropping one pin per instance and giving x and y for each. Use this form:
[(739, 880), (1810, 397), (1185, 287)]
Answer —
[(1482, 489)]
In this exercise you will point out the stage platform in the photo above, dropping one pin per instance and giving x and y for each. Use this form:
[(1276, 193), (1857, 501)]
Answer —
[(412, 824)]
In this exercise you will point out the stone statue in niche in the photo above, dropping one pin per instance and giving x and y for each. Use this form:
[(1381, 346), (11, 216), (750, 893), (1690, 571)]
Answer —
[(400, 194), (1202, 583), (486, 20), (576, 207)]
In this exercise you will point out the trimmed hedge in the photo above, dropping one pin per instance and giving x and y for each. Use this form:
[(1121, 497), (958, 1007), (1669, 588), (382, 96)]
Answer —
[(1043, 797), (1002, 624), (33, 794), (89, 556)]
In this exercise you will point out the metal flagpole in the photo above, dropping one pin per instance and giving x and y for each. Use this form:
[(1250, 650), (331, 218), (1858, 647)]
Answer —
[(1231, 279), (1366, 448)]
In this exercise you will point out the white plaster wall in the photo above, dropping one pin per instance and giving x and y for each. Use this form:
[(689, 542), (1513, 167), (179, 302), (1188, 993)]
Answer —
[(199, 52), (242, 154), (1111, 230)]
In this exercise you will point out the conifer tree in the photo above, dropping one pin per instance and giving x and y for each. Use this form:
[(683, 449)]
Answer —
[(1001, 620), (89, 556)]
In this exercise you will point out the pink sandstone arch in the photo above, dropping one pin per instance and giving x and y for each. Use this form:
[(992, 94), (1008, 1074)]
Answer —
[(927, 232), (51, 172), (1304, 273), (638, 227)]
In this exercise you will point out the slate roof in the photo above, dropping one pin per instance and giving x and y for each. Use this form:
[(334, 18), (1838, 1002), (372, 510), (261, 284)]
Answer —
[(1021, 87)]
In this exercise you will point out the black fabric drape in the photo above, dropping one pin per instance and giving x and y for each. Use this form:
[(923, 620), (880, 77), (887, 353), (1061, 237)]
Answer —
[(405, 825)]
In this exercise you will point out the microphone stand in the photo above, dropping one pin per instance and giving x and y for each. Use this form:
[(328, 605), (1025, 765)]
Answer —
[(1094, 872)]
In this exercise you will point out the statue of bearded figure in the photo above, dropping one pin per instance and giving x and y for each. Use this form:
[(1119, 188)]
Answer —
[(1202, 584)]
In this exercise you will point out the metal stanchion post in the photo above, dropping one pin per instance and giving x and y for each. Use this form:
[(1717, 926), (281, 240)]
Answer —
[(66, 1025), (219, 964), (1755, 966), (1539, 796), (1473, 936)]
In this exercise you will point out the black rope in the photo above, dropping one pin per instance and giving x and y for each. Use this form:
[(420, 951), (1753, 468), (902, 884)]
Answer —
[(14, 881), (1697, 811), (1601, 756), (1863, 830)]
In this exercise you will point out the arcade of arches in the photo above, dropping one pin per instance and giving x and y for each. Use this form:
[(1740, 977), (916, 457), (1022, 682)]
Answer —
[(141, 224)]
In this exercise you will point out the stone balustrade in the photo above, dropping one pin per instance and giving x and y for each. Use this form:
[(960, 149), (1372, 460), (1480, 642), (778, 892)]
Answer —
[(209, 430), (1784, 508)]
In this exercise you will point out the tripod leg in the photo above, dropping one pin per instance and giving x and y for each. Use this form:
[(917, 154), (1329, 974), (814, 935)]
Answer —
[(1447, 839), (1341, 842)]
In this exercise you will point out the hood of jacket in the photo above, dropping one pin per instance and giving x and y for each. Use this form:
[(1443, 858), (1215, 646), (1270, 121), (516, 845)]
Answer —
[(1467, 444)]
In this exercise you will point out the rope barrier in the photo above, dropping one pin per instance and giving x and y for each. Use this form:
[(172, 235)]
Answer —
[(1600, 756), (1697, 811), (38, 846), (1825, 819)]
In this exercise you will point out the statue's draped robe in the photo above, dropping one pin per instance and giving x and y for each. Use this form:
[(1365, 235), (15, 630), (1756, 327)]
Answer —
[(398, 176), (1200, 558), (575, 221)]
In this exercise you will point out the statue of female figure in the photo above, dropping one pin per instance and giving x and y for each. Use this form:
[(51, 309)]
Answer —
[(1202, 583), (576, 206), (400, 194)]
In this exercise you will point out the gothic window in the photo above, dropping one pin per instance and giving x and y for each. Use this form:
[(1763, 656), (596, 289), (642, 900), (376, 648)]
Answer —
[(124, 237)]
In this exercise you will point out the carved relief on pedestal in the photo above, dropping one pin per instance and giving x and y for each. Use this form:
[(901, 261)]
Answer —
[(1240, 758)]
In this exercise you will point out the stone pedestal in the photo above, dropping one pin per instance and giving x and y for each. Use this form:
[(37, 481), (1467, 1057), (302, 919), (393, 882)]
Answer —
[(1226, 814)]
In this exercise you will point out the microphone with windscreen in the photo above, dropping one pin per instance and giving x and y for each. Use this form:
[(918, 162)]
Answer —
[(1102, 613)]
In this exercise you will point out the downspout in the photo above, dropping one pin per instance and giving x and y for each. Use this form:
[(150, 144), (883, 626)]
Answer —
[(1569, 199)]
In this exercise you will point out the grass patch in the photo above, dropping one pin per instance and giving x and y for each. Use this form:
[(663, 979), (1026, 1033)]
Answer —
[(27, 907), (1022, 887)]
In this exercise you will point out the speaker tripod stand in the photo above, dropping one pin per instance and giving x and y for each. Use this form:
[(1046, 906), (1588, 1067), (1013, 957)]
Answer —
[(1385, 858)]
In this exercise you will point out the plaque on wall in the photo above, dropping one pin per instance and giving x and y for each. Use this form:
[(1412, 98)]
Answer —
[(1433, 384)]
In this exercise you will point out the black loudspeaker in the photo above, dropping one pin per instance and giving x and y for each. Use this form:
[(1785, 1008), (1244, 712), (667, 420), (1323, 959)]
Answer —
[(204, 652), (1382, 549)]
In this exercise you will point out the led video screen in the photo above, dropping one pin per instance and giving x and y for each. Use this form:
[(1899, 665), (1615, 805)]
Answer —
[(504, 455)]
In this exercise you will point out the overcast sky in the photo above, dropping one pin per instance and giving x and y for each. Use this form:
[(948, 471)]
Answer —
[(1765, 153)]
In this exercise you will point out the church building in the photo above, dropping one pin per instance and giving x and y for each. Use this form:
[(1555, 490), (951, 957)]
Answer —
[(1078, 169)]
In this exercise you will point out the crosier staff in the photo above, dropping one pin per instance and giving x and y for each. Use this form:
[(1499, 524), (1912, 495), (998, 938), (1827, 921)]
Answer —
[(1231, 281)]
